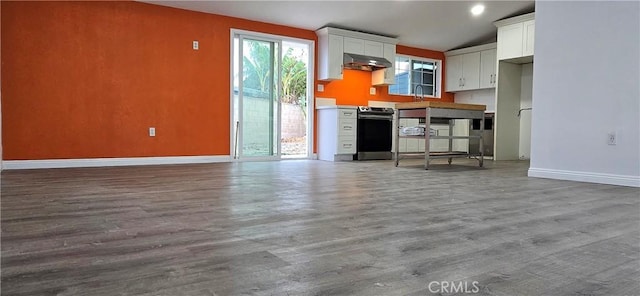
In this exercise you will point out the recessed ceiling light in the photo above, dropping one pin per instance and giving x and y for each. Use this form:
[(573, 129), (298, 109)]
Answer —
[(477, 9)]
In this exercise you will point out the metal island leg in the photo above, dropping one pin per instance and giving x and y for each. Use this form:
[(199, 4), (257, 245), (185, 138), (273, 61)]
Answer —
[(450, 139), (481, 144), (396, 149), (427, 135)]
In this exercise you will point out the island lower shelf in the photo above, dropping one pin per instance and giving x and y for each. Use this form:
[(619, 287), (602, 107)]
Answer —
[(450, 112)]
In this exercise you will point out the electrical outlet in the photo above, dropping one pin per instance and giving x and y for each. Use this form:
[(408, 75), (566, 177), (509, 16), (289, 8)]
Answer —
[(152, 132), (320, 87), (195, 45), (611, 138), (372, 91)]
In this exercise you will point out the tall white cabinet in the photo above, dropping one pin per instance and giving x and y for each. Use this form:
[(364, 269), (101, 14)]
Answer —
[(512, 122)]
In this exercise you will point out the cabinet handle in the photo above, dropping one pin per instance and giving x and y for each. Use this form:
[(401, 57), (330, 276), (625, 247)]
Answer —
[(460, 82), (464, 81)]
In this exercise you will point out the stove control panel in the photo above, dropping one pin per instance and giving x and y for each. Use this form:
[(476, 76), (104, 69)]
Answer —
[(375, 110)]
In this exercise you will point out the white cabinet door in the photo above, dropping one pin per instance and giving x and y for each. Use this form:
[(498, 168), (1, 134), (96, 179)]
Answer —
[(386, 76), (348, 114), (402, 145), (353, 45), (510, 41), (346, 145), (390, 55), (373, 48), (330, 51), (346, 127), (471, 70), (335, 57), (413, 145), (528, 38), (488, 68), (454, 73)]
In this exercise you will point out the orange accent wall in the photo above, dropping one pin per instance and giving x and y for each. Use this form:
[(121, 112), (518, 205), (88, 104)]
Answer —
[(87, 79), (353, 89)]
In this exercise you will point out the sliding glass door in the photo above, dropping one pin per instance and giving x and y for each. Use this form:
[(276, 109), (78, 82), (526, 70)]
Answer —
[(256, 98), (271, 117)]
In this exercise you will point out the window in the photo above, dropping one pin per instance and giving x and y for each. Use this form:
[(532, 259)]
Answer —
[(411, 72)]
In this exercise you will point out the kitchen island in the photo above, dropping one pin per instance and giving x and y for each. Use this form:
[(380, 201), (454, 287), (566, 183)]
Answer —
[(428, 111)]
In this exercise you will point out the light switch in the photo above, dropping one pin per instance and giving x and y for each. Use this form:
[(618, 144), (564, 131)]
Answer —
[(195, 44), (152, 132)]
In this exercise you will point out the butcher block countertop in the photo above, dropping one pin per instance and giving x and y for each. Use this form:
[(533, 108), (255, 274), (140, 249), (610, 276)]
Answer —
[(442, 105)]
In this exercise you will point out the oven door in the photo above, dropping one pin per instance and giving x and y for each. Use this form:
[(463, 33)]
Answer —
[(374, 137)]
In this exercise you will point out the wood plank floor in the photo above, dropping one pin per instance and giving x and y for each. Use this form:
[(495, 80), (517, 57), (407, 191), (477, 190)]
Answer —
[(315, 228)]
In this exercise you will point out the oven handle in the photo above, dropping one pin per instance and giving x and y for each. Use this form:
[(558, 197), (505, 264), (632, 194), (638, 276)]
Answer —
[(376, 117)]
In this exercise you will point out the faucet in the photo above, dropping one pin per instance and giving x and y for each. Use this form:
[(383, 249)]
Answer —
[(415, 93)]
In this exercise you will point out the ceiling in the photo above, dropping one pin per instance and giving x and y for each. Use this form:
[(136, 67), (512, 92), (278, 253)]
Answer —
[(435, 25)]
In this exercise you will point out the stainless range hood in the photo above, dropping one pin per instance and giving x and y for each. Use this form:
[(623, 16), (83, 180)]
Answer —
[(363, 62)]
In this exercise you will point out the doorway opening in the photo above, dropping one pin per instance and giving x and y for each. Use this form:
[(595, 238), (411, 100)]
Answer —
[(271, 96)]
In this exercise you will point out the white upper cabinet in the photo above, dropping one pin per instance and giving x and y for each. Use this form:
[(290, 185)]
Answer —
[(333, 43), (386, 76), (529, 33), (364, 47), (454, 73), (471, 68), (330, 51), (471, 71), (374, 49), (488, 63), (516, 37), (510, 41), (353, 45)]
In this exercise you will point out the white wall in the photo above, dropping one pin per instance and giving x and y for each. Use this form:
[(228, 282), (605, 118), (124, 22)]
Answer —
[(585, 85), (479, 97), (526, 89)]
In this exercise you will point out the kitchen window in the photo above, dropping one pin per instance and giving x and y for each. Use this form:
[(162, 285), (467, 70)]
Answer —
[(414, 71)]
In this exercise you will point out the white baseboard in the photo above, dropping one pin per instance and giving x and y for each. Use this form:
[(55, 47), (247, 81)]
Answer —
[(621, 180), (106, 162)]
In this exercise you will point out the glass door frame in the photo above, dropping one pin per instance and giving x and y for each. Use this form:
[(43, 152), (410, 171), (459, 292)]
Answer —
[(234, 147), (276, 106)]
